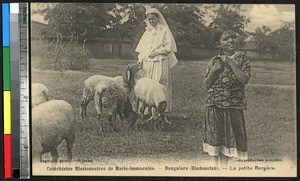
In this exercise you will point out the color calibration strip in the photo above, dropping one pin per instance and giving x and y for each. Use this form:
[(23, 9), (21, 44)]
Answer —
[(6, 89), (16, 90)]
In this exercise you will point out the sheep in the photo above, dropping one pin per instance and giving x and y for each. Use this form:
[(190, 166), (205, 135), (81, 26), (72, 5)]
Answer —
[(127, 80), (113, 97), (153, 95), (39, 94), (52, 122)]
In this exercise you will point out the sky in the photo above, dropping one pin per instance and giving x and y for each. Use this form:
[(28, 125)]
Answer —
[(271, 15)]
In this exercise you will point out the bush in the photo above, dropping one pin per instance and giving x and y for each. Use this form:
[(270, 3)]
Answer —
[(65, 56), (76, 58)]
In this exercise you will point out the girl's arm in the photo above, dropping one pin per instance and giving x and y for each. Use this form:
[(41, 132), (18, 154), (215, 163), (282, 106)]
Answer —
[(216, 69), (240, 75)]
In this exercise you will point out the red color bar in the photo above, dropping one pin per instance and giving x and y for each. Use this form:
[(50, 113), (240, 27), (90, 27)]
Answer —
[(7, 156)]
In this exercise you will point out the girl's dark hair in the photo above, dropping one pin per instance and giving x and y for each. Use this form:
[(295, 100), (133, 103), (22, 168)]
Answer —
[(218, 33), (153, 14)]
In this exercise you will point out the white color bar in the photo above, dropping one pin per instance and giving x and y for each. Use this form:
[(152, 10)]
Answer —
[(14, 8)]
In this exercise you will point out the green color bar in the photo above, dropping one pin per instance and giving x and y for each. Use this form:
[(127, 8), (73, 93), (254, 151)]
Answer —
[(6, 68)]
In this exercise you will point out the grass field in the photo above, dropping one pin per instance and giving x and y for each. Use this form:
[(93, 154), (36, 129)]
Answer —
[(270, 118)]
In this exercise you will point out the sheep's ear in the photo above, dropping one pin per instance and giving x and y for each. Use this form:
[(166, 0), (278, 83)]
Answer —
[(128, 74), (45, 95)]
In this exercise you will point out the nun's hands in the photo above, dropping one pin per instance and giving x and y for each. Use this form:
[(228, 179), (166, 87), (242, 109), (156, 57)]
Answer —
[(156, 53), (153, 54), (140, 63)]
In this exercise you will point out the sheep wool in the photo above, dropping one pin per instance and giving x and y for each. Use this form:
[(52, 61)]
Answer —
[(126, 80), (150, 91), (39, 94), (112, 94), (120, 80), (52, 122), (113, 97)]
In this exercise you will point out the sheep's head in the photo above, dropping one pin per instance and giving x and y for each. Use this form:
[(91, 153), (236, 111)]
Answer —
[(131, 70), (161, 108)]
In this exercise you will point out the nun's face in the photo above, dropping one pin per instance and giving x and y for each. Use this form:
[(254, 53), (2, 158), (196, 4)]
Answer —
[(152, 19)]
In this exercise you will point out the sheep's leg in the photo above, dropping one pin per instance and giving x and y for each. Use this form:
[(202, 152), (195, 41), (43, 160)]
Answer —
[(100, 122), (137, 105), (147, 113), (86, 98), (157, 122), (41, 154), (99, 108), (153, 116), (142, 111), (115, 123), (110, 118), (150, 119), (70, 142), (121, 117), (166, 120), (127, 108), (143, 108), (155, 127), (160, 122), (54, 155), (112, 121), (133, 119)]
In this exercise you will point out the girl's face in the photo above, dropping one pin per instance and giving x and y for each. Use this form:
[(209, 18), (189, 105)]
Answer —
[(152, 19), (228, 41)]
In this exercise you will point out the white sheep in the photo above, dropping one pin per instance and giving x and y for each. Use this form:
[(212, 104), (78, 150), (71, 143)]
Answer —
[(153, 95), (113, 97), (39, 94), (52, 122), (127, 80)]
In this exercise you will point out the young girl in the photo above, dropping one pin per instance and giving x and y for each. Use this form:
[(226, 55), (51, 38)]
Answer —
[(225, 79)]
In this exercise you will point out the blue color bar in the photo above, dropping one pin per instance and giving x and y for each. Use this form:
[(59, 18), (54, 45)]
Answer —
[(5, 23)]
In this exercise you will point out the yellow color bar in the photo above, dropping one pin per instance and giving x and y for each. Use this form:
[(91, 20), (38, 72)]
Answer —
[(7, 113)]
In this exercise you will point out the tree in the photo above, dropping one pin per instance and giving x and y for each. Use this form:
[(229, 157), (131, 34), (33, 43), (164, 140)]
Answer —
[(78, 19), (279, 41), (283, 40), (229, 17), (187, 24), (261, 38), (128, 21), (184, 20)]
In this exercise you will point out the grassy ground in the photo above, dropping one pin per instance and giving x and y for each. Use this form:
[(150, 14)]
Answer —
[(270, 118)]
